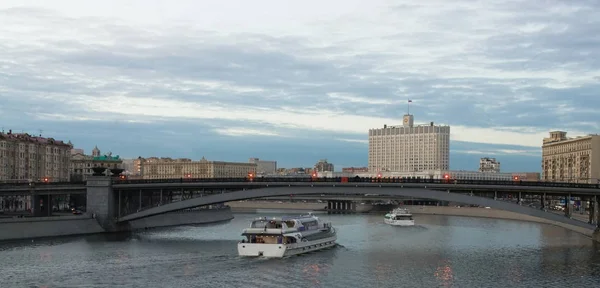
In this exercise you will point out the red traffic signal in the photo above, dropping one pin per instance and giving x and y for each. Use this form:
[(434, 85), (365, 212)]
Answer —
[(379, 175), (250, 175), (314, 174), (46, 179), (122, 177), (446, 176), (516, 178)]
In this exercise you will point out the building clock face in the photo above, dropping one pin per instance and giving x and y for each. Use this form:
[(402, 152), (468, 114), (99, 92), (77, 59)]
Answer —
[(405, 120)]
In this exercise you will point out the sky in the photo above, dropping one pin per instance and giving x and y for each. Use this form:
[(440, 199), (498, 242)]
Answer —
[(299, 81)]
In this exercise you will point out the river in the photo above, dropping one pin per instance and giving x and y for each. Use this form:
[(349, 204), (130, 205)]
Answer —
[(441, 251)]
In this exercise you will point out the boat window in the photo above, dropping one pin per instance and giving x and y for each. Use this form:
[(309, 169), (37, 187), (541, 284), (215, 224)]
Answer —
[(290, 224), (259, 224), (310, 224)]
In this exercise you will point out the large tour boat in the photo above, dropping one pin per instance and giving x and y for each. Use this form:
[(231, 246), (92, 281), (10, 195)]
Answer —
[(286, 236), (399, 217)]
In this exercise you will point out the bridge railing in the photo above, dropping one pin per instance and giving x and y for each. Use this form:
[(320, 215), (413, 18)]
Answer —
[(359, 180), (40, 183)]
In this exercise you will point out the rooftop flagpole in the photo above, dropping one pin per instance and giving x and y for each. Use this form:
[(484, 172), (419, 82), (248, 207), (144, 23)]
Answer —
[(408, 106)]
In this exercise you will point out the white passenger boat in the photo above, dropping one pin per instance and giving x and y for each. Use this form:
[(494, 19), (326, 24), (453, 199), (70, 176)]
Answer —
[(286, 236), (399, 217)]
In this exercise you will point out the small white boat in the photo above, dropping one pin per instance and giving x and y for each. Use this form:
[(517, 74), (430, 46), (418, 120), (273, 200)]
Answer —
[(286, 236), (399, 217)]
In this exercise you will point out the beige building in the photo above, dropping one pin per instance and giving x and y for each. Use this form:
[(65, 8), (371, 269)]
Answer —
[(24, 157), (571, 159), (167, 168), (81, 164), (409, 148)]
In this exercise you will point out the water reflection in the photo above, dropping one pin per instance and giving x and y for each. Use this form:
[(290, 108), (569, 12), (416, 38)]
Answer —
[(444, 273), (443, 252)]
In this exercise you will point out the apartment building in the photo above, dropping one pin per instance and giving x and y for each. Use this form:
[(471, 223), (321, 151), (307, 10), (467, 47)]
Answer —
[(264, 167), (81, 164), (409, 148), (168, 168), (324, 166), (24, 157), (489, 165), (571, 159)]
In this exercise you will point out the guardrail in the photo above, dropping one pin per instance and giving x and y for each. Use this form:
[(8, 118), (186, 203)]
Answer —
[(41, 183), (360, 180)]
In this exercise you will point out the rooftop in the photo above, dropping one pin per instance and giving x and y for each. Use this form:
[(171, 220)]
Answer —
[(24, 137)]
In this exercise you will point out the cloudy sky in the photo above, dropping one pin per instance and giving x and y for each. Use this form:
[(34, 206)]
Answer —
[(296, 81)]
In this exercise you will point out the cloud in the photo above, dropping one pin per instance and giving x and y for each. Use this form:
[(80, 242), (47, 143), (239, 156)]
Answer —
[(488, 153), (499, 72), (244, 132)]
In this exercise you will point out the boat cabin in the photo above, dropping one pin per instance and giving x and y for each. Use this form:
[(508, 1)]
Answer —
[(268, 239), (273, 224), (398, 217)]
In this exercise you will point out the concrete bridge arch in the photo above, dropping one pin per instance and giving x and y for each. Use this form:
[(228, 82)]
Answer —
[(332, 190)]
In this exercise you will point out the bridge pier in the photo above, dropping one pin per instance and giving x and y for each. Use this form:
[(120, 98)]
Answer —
[(543, 200), (340, 207), (101, 202), (592, 210), (568, 206), (597, 212), (41, 205), (520, 201)]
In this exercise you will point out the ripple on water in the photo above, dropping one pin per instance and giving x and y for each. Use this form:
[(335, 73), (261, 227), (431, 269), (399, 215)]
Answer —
[(439, 252)]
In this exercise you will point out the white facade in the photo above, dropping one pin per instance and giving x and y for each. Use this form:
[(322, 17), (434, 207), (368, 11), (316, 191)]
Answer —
[(439, 174), (489, 165), (264, 167), (129, 166), (409, 148)]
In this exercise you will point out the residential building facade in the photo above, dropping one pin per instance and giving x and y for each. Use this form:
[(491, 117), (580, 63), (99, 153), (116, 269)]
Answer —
[(324, 166), (264, 167), (489, 165), (168, 168), (571, 159), (81, 164), (24, 157), (409, 148)]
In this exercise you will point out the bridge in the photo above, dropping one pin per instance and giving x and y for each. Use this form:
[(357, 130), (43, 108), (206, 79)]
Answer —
[(116, 201), (480, 193)]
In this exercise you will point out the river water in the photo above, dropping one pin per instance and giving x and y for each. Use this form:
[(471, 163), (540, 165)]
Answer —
[(441, 251)]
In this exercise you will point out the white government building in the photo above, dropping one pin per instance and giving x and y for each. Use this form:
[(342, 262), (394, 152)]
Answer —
[(409, 148), (419, 151)]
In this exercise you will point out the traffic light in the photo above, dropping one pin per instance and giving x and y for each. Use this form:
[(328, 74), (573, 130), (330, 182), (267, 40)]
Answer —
[(122, 177), (446, 176), (516, 178), (46, 180)]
